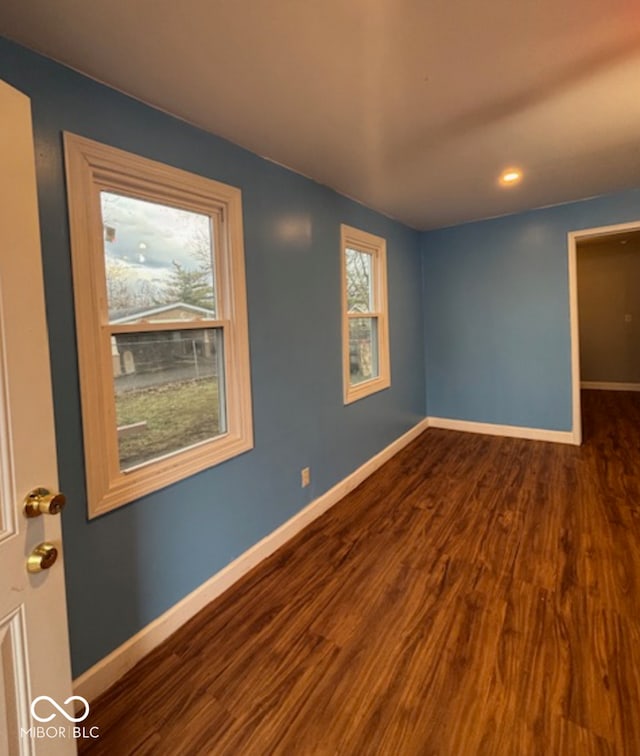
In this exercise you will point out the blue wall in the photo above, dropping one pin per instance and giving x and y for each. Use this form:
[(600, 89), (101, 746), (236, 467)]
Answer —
[(126, 568), (496, 308)]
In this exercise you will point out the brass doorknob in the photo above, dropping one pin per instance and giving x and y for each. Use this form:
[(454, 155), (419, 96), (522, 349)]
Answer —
[(42, 501), (42, 557)]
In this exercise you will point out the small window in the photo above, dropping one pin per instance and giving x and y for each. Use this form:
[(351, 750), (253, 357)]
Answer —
[(365, 327), (158, 270)]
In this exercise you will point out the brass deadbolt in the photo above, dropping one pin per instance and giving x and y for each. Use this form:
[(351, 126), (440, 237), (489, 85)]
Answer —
[(42, 501), (42, 557)]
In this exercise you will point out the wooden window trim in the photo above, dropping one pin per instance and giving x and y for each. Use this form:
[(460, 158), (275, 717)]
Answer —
[(376, 246), (92, 167)]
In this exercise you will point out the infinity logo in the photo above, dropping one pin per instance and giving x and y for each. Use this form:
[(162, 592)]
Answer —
[(60, 709)]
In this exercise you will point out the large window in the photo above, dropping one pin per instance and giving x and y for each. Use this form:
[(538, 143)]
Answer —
[(158, 268), (365, 328)]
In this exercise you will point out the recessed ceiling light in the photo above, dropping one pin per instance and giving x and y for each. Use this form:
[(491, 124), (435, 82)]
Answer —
[(510, 176)]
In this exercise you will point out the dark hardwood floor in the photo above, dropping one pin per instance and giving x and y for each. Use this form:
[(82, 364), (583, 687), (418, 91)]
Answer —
[(476, 595)]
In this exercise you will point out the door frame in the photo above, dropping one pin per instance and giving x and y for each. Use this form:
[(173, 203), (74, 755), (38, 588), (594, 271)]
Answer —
[(573, 237)]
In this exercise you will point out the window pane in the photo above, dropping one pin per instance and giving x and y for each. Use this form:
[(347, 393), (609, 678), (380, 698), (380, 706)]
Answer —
[(169, 388), (359, 281), (158, 261), (363, 349)]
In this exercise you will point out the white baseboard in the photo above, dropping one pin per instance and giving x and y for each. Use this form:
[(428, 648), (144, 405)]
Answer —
[(107, 671), (610, 386), (511, 431)]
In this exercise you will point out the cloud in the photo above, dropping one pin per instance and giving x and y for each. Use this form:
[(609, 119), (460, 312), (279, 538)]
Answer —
[(166, 234)]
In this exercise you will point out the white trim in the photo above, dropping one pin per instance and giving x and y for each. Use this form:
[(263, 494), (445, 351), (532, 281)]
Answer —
[(510, 431), (573, 237), (107, 671), (610, 386), (576, 413)]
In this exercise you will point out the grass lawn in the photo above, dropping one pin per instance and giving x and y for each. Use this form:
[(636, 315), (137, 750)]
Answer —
[(177, 415)]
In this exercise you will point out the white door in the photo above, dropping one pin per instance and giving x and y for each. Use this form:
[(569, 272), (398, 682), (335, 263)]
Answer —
[(34, 648)]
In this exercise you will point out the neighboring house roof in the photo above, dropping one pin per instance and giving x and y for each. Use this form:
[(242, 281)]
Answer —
[(136, 314)]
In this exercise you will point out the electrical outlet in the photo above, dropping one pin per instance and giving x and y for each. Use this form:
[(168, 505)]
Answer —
[(305, 476)]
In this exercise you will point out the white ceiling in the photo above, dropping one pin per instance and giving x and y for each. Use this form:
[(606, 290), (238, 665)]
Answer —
[(411, 107)]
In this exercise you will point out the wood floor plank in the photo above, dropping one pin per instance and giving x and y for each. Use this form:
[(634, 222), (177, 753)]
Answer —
[(476, 595)]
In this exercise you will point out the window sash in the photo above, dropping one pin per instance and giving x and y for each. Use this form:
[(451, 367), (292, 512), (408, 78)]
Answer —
[(364, 352), (135, 229), (374, 357), (369, 274), (142, 400), (91, 168), (169, 325)]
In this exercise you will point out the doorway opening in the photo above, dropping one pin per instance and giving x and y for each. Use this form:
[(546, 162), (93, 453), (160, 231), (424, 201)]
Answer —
[(604, 294)]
